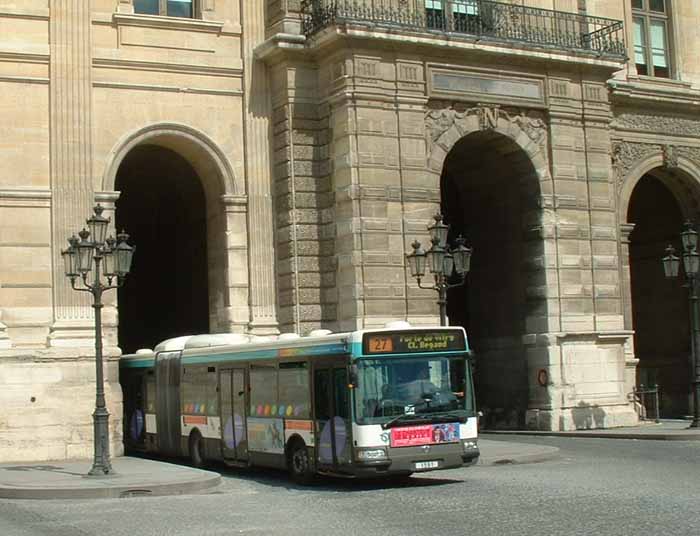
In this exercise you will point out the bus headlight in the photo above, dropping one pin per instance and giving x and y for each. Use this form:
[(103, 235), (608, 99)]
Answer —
[(370, 455), (468, 445)]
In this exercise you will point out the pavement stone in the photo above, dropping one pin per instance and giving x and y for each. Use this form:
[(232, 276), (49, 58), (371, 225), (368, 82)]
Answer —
[(506, 452), (133, 477), (148, 477)]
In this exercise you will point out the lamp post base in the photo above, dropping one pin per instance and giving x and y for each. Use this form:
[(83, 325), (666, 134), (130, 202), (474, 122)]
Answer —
[(101, 465)]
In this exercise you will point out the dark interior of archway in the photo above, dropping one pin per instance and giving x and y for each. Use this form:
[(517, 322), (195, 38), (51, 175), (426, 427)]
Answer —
[(488, 189), (162, 207), (659, 306)]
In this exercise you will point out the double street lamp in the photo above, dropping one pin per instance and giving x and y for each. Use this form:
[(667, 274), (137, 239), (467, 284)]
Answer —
[(112, 261), (444, 262), (691, 267)]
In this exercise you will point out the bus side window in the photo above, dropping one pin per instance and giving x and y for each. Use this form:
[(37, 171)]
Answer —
[(322, 396), (294, 390), (263, 390)]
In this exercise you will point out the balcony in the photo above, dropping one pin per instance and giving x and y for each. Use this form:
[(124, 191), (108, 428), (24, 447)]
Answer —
[(485, 20)]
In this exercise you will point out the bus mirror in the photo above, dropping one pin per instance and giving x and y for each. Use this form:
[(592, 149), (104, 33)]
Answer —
[(353, 376)]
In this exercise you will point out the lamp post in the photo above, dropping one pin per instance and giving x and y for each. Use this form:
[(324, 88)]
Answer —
[(444, 263), (691, 267), (113, 262)]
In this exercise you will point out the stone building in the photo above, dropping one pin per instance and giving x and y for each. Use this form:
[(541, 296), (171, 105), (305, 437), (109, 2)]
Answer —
[(274, 160)]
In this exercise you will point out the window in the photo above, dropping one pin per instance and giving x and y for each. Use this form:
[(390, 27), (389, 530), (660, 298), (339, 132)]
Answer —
[(651, 37), (169, 8), (465, 15), (263, 391), (294, 390)]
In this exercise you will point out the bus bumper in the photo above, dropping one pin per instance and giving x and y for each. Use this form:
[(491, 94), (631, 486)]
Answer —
[(415, 460)]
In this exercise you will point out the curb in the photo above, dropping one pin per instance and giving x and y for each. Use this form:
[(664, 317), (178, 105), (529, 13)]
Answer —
[(603, 435), (112, 492)]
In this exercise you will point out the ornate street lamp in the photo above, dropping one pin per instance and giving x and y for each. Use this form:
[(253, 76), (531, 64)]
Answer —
[(112, 260), (443, 262), (691, 267)]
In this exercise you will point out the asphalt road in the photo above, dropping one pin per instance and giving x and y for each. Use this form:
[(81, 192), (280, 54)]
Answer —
[(596, 487)]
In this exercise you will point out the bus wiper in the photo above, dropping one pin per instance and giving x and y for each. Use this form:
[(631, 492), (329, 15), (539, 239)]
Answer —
[(449, 417), (404, 417)]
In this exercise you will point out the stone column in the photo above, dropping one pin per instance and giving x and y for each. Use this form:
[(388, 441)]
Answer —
[(71, 158), (263, 317)]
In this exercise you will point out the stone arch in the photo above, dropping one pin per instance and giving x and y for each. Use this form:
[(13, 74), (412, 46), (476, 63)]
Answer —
[(225, 213), (493, 168), (658, 188), (207, 159), (678, 167), (447, 126)]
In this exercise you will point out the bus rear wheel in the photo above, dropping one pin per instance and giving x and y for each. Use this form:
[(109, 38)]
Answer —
[(196, 445), (300, 465)]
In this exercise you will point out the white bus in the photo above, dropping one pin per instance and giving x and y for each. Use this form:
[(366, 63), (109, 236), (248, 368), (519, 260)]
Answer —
[(368, 403)]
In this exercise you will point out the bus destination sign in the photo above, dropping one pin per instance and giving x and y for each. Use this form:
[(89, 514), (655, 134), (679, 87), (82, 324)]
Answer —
[(413, 341)]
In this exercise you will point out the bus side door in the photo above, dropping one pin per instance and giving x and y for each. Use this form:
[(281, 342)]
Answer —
[(332, 412), (233, 389)]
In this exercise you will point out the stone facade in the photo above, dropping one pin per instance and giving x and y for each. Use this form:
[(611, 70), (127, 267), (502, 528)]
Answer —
[(322, 154)]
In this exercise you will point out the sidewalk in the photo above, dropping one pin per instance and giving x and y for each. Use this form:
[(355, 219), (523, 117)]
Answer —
[(133, 476), (668, 430)]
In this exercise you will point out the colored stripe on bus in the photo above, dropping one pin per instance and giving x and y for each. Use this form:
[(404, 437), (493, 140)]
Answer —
[(137, 363), (194, 419), (298, 425)]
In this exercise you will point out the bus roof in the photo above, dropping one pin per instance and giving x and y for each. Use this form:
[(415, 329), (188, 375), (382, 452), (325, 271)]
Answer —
[(285, 345)]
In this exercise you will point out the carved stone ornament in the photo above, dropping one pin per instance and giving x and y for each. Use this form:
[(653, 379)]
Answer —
[(670, 156), (681, 126), (439, 121), (625, 155)]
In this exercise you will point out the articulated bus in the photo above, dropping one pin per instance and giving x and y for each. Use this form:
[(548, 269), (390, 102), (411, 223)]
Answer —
[(369, 403)]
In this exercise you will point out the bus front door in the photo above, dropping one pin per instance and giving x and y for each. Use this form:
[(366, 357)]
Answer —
[(233, 389), (332, 408)]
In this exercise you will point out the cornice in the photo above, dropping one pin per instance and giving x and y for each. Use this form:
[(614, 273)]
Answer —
[(31, 14), (642, 92), (111, 63), (280, 45), (457, 43), (169, 23)]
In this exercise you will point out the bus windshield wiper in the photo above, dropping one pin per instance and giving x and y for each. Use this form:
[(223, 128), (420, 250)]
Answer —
[(449, 417), (404, 417)]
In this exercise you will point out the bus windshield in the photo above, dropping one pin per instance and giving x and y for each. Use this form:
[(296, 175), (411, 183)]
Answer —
[(424, 387)]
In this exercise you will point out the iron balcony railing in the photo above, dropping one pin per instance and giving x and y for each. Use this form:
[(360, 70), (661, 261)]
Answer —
[(484, 19)]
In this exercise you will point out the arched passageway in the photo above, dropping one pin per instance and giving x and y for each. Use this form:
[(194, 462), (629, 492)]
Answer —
[(162, 206), (489, 193), (659, 306)]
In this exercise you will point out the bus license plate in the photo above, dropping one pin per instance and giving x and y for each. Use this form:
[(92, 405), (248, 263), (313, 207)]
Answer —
[(428, 465)]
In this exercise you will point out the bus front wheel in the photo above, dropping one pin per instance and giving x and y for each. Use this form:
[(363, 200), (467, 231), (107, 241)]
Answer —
[(196, 445), (300, 465)]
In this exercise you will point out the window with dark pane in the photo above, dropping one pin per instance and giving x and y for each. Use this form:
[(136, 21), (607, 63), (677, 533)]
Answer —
[(651, 38), (180, 8), (170, 8), (657, 5), (147, 7)]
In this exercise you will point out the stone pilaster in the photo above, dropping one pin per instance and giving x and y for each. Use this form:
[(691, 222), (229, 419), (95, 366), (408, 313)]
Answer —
[(631, 360), (71, 158), (5, 341), (263, 316)]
